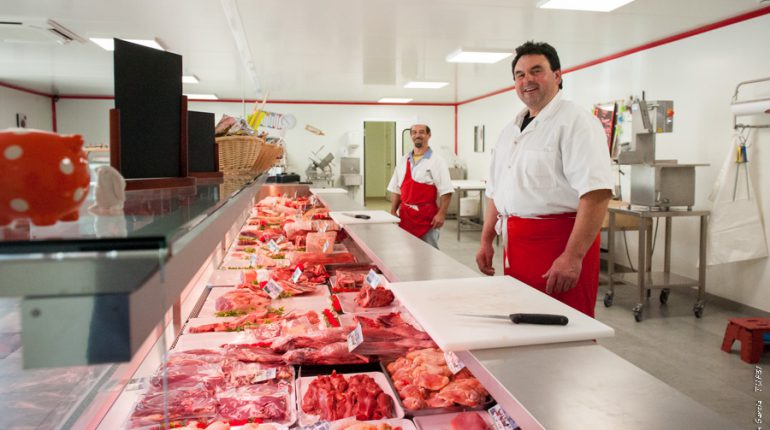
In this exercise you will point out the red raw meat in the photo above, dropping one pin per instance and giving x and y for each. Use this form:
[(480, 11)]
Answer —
[(253, 354), (254, 401), (184, 403), (335, 397), (308, 258), (469, 421), (333, 353), (370, 297), (467, 392), (310, 340), (242, 299)]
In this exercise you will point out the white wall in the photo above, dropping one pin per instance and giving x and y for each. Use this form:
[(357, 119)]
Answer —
[(699, 74), (37, 108), (340, 123)]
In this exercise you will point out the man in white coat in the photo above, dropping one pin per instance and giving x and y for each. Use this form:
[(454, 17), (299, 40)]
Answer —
[(549, 186), (420, 178)]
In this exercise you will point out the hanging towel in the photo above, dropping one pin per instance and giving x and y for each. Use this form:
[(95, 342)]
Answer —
[(735, 230)]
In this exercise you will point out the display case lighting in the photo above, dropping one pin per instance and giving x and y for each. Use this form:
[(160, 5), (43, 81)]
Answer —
[(202, 96), (190, 79), (486, 56), (108, 44), (426, 84), (584, 5), (393, 100)]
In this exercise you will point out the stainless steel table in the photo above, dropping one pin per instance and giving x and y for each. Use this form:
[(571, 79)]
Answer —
[(644, 278)]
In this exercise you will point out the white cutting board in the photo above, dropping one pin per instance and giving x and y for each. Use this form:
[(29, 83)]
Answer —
[(328, 191), (377, 217), (436, 304)]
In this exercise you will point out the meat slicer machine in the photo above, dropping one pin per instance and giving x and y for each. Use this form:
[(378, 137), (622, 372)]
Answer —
[(656, 183), (320, 170)]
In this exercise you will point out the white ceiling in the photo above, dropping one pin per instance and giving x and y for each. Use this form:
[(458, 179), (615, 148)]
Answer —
[(346, 50)]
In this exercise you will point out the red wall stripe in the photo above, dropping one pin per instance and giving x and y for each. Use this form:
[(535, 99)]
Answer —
[(456, 129), (694, 32), (24, 90)]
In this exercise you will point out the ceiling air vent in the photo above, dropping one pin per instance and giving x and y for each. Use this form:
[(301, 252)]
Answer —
[(36, 30)]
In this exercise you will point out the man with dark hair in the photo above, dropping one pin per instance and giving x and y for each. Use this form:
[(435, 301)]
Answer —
[(420, 177), (549, 186)]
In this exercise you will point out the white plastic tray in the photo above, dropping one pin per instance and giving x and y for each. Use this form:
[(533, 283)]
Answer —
[(443, 421), (304, 382), (349, 305), (317, 301), (404, 423)]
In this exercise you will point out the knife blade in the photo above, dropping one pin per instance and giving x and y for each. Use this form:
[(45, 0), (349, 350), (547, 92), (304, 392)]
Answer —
[(359, 216), (520, 318)]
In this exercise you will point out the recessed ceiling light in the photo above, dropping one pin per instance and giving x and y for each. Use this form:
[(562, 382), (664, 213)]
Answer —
[(486, 56), (190, 79), (202, 96), (109, 44), (585, 5), (393, 100), (426, 84)]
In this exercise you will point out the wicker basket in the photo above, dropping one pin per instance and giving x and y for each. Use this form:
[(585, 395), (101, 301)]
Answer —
[(237, 154), (268, 155)]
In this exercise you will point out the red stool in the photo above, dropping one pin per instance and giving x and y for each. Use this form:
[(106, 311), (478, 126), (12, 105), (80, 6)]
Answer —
[(749, 331)]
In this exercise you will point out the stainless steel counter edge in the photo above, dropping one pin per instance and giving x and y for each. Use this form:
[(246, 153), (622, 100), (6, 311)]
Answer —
[(563, 386)]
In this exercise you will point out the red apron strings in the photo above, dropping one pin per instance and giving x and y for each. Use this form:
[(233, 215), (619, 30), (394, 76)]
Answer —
[(423, 197), (534, 244)]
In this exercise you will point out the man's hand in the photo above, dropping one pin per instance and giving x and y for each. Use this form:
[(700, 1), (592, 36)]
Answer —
[(438, 220), (563, 274), (484, 259)]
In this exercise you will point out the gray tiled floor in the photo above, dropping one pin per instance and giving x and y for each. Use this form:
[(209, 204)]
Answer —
[(670, 343)]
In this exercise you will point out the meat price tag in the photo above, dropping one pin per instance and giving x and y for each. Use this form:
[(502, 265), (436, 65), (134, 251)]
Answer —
[(323, 227), (273, 289), (264, 375), (501, 420), (325, 247), (253, 260), (313, 200), (320, 425), (295, 276), (279, 239), (355, 338), (273, 247), (372, 278), (453, 362)]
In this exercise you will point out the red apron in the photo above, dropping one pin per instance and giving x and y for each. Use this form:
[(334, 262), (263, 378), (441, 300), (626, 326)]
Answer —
[(418, 205), (534, 244)]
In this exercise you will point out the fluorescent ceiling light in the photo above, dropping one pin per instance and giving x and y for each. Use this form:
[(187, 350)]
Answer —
[(202, 96), (190, 79), (109, 44), (486, 56), (393, 100), (426, 84), (586, 5)]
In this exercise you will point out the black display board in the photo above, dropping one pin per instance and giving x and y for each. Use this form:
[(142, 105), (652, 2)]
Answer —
[(201, 146), (148, 95)]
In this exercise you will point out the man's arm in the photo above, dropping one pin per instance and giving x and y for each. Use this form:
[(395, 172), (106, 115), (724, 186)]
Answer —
[(443, 205), (565, 270), (395, 202), (486, 250)]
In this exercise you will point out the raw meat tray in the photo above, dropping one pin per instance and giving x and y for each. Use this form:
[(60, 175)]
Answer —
[(430, 411), (316, 301), (304, 382), (404, 423), (443, 421), (349, 305)]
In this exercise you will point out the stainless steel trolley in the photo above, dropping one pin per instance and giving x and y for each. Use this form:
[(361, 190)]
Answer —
[(645, 278)]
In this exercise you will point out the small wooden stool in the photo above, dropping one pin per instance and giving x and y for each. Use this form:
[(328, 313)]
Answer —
[(750, 332)]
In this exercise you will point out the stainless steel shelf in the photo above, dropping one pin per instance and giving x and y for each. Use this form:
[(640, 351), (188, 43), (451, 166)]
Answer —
[(656, 280)]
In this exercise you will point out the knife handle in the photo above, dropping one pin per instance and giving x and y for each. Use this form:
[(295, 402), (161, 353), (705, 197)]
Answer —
[(545, 319)]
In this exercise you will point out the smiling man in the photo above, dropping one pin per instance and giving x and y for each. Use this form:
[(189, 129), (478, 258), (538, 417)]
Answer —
[(549, 185), (420, 178)]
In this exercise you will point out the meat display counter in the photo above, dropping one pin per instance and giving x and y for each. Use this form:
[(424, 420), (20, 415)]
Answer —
[(533, 384)]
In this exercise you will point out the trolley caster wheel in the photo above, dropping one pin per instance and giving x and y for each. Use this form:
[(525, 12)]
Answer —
[(608, 297), (638, 313), (698, 310), (664, 296)]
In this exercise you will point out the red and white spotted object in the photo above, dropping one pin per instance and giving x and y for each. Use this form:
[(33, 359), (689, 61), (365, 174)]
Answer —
[(45, 176)]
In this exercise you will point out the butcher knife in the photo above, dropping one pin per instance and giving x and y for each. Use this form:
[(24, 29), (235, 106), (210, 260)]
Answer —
[(359, 216), (543, 319)]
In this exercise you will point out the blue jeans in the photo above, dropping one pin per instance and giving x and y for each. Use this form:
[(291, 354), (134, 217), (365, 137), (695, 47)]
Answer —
[(431, 237)]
